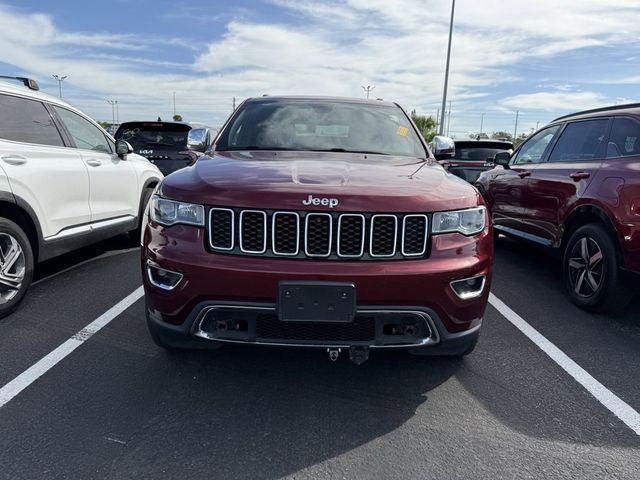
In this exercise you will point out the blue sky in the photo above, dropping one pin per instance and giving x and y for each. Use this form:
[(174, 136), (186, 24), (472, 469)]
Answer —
[(542, 58)]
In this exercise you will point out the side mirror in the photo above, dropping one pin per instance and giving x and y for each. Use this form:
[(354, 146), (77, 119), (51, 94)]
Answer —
[(443, 148), (197, 146), (503, 159), (123, 148)]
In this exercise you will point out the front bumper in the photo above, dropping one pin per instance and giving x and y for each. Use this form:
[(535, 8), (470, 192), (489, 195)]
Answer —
[(386, 289), (431, 335)]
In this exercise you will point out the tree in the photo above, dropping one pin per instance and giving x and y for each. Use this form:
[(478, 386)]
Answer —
[(426, 125), (478, 136), (502, 135), (177, 118), (104, 125)]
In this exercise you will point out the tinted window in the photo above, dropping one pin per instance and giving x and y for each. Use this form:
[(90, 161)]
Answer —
[(154, 135), (532, 151), (624, 140), (581, 141), (322, 126), (477, 154), (85, 134), (23, 120)]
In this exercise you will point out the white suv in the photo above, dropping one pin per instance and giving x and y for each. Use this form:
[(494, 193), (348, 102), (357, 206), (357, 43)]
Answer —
[(64, 183)]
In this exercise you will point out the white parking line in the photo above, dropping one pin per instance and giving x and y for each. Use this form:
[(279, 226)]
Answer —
[(606, 397), (30, 375)]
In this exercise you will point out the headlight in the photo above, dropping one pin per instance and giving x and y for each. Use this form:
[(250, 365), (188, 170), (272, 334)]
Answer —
[(467, 222), (169, 212)]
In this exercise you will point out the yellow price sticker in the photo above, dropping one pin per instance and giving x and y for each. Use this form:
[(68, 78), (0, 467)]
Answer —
[(402, 131)]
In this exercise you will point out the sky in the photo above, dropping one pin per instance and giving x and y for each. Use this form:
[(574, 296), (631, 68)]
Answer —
[(541, 58)]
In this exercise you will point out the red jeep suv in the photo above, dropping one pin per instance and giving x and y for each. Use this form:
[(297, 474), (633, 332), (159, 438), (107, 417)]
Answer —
[(318, 222), (575, 186)]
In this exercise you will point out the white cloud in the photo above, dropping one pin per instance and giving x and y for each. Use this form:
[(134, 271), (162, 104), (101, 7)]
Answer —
[(555, 101), (334, 47)]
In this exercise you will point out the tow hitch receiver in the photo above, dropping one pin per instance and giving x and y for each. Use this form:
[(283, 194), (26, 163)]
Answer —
[(334, 353), (359, 355)]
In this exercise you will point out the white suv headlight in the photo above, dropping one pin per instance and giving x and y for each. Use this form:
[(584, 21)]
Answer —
[(169, 212), (468, 222)]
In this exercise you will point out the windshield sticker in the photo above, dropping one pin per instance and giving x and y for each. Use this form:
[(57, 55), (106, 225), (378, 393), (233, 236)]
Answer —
[(630, 144), (402, 131)]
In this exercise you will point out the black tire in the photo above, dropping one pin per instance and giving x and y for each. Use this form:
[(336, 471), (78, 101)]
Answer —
[(21, 267), (137, 232), (592, 277)]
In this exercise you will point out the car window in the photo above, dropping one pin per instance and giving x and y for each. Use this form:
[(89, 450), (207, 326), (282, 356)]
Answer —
[(581, 141), (28, 121), (532, 151), (322, 126), (624, 140), (85, 134)]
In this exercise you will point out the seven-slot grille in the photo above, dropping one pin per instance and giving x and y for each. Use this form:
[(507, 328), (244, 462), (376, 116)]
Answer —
[(318, 234)]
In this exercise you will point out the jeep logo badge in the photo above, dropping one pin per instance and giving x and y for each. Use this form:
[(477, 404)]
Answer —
[(330, 202)]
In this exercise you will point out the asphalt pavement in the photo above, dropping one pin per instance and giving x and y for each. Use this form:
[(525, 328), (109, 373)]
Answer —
[(118, 407)]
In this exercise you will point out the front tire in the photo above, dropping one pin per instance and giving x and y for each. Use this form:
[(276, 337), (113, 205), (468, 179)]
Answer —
[(591, 270), (16, 266)]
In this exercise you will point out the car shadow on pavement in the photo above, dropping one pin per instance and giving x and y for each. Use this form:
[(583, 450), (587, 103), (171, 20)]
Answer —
[(253, 413), (519, 385), (111, 246)]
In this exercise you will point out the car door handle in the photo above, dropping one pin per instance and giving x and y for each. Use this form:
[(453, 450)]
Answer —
[(94, 162), (579, 175), (524, 174), (14, 159)]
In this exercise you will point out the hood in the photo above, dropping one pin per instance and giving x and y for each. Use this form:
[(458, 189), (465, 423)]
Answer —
[(347, 182)]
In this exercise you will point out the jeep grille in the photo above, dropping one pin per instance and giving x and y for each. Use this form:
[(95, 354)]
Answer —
[(338, 236)]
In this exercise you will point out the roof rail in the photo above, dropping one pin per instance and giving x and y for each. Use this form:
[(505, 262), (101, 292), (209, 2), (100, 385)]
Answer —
[(601, 109), (28, 82)]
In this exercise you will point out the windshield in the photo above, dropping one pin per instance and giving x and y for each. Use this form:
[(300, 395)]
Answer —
[(322, 126), (142, 136), (476, 154)]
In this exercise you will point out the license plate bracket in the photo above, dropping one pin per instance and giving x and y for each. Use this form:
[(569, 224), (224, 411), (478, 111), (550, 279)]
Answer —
[(316, 301)]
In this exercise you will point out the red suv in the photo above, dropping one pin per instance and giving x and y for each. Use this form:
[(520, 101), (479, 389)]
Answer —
[(575, 186), (318, 222)]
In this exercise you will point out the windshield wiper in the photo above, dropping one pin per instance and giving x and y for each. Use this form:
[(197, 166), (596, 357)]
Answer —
[(254, 147), (343, 150)]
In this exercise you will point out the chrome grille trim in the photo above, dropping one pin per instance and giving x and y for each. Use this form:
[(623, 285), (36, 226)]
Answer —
[(264, 223), (309, 216), (364, 229), (372, 231), (426, 236), (273, 233), (233, 223), (347, 236)]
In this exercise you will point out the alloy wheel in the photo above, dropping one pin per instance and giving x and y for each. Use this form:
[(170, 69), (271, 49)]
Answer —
[(586, 267), (12, 267)]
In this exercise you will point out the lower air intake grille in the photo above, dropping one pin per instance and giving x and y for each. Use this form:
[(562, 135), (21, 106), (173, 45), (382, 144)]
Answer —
[(362, 329)]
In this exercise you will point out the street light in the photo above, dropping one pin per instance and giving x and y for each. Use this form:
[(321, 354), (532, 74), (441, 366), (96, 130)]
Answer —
[(60, 79), (113, 103), (446, 71), (368, 89)]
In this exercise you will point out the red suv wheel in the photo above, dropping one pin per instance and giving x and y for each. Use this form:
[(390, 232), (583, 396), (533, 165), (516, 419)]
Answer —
[(591, 270)]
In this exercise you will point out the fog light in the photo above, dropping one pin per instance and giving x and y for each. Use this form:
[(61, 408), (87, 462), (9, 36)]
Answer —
[(467, 288), (162, 278)]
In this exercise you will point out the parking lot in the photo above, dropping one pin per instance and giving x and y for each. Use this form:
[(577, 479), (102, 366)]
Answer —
[(118, 407)]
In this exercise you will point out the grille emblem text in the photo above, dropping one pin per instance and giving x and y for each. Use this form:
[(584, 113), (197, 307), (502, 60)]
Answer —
[(330, 202)]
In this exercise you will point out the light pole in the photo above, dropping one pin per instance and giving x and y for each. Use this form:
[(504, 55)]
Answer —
[(368, 89), (446, 71), (60, 79), (113, 104)]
